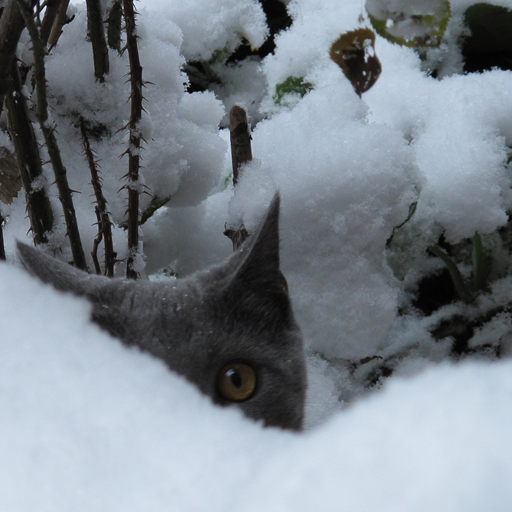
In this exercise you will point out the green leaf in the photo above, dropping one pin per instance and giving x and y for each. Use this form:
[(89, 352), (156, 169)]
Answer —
[(421, 26), (292, 85), (491, 29), (354, 52)]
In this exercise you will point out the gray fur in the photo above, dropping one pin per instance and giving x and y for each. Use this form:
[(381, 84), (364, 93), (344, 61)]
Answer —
[(236, 311)]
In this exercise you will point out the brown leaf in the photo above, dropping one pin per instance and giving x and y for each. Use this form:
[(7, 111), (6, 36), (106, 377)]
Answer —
[(354, 52), (10, 179)]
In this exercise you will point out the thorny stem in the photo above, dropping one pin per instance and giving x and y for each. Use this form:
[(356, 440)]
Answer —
[(29, 161), (65, 194), (104, 223), (135, 138)]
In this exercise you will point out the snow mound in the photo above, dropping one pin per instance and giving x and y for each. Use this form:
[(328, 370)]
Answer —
[(88, 424)]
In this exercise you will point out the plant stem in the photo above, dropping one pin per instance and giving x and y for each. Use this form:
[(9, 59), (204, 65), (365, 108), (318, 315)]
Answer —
[(50, 14), (59, 22), (11, 27), (135, 138), (240, 135), (65, 194), (115, 17), (104, 223), (29, 161), (241, 153), (97, 35)]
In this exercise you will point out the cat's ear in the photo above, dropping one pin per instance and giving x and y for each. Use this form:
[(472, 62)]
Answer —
[(258, 259), (50, 270)]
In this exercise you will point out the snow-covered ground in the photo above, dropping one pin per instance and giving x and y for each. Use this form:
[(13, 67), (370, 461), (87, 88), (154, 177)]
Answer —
[(87, 424)]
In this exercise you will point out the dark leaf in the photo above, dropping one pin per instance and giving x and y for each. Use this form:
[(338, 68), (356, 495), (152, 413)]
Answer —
[(354, 52)]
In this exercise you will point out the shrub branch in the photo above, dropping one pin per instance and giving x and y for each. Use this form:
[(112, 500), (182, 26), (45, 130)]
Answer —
[(11, 27), (241, 153), (65, 194), (135, 139), (98, 41), (102, 215), (29, 161)]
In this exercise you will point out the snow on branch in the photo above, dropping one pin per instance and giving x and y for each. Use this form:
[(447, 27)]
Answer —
[(65, 194), (135, 139)]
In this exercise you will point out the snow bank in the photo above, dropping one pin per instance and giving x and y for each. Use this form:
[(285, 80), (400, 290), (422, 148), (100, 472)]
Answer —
[(88, 424)]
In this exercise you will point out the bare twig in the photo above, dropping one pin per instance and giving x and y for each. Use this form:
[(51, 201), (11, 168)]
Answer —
[(50, 15), (241, 153), (98, 41), (104, 223), (61, 179), (29, 161), (59, 22), (115, 17), (135, 138)]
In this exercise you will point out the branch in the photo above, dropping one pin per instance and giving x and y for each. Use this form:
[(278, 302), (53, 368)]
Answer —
[(11, 27), (104, 223), (50, 14), (61, 179), (59, 22), (241, 153), (97, 35), (135, 138), (240, 136), (29, 161), (115, 17)]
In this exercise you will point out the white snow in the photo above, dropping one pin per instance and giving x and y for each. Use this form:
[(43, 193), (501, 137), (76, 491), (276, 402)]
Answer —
[(87, 424)]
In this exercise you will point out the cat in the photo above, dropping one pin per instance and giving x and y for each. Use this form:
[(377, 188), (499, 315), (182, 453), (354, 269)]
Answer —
[(229, 329)]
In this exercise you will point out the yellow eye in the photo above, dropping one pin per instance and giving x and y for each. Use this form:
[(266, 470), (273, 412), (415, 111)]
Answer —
[(236, 382)]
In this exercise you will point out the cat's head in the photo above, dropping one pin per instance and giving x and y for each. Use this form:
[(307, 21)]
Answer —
[(228, 329)]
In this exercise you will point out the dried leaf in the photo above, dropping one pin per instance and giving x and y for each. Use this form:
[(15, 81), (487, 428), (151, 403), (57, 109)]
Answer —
[(10, 179), (354, 52)]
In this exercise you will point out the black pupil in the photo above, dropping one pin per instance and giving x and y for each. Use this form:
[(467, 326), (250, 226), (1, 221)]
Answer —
[(235, 378)]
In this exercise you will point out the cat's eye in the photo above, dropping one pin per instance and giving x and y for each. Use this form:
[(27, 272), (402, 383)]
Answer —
[(236, 382)]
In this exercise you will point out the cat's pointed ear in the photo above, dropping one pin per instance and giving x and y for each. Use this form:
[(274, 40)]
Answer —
[(50, 270), (260, 253)]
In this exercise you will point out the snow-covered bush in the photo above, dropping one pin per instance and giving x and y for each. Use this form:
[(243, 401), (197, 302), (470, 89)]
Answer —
[(389, 197)]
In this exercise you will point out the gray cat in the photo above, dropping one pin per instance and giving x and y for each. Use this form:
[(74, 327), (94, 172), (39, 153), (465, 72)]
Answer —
[(229, 329)]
